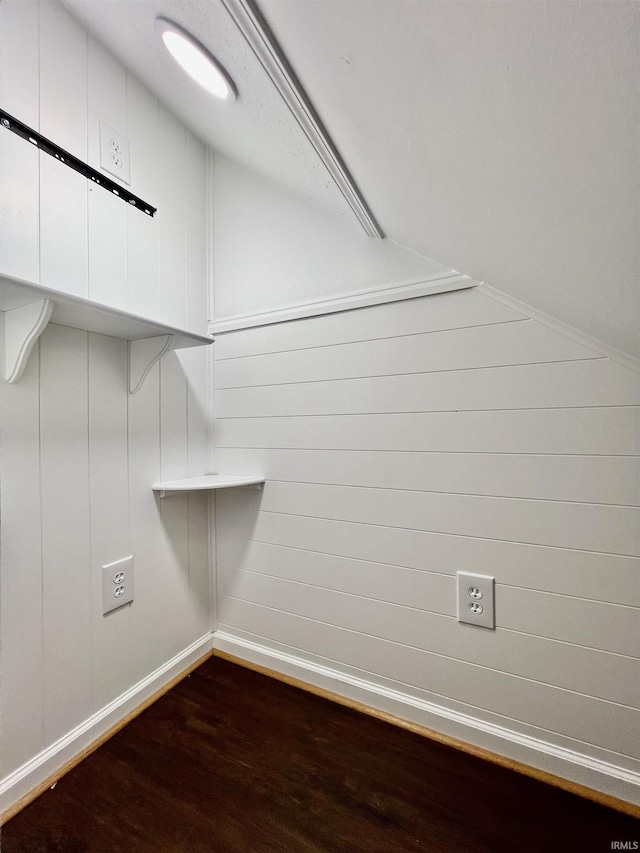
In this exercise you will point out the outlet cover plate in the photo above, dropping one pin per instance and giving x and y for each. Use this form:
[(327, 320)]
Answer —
[(117, 584), (476, 601), (114, 153)]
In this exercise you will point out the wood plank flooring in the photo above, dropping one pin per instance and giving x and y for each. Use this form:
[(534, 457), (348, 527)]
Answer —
[(232, 761)]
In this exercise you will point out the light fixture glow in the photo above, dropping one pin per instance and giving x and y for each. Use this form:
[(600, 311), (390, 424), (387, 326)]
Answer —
[(196, 60)]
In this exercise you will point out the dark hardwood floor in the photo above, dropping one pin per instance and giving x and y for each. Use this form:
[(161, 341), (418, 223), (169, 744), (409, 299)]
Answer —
[(235, 762)]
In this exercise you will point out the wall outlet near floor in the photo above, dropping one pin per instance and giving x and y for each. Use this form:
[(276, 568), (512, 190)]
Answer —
[(114, 153), (476, 604), (117, 584)]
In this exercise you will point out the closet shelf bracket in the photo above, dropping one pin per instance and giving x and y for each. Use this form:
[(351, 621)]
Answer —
[(22, 328), (28, 307), (143, 354)]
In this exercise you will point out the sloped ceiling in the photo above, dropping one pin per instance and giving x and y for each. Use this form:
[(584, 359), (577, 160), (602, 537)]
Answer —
[(498, 137), (259, 130)]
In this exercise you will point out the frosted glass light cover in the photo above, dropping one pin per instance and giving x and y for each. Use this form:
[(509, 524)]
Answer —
[(196, 60)]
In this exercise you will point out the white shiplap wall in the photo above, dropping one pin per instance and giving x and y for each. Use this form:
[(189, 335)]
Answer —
[(79, 454), (60, 230), (404, 442)]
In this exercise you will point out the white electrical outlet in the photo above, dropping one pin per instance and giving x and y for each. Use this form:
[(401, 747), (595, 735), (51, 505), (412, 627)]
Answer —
[(114, 153), (117, 584), (476, 604)]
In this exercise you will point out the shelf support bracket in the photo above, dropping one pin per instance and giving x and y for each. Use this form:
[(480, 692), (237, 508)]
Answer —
[(22, 328), (143, 354)]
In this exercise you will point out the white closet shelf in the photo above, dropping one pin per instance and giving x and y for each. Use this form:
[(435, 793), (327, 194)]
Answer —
[(208, 482), (28, 308)]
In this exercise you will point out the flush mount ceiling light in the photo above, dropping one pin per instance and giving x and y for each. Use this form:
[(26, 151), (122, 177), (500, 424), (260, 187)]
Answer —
[(196, 60)]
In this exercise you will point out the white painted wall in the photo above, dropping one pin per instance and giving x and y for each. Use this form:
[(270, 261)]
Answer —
[(79, 454), (274, 249), (78, 457), (259, 129), (499, 137), (58, 229), (402, 443)]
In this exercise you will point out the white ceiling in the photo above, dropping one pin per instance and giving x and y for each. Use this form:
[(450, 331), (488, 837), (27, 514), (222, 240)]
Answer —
[(499, 137), (259, 130)]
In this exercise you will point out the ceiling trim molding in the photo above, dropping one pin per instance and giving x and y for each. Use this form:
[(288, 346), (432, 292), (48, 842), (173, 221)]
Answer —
[(428, 286), (262, 41), (580, 337)]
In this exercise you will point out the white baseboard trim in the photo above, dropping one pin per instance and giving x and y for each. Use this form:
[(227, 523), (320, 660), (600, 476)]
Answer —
[(31, 776), (548, 758), (428, 286)]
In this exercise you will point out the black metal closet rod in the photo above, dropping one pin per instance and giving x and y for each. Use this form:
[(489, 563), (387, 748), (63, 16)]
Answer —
[(49, 147)]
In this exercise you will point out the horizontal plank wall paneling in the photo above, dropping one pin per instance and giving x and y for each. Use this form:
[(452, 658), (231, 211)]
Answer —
[(586, 527), (583, 479), (601, 577), (582, 621), (479, 346), (565, 384), (608, 676), (585, 431), (404, 443), (63, 231), (79, 453)]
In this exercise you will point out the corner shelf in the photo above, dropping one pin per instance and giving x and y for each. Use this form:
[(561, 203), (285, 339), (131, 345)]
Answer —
[(208, 482), (28, 308)]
